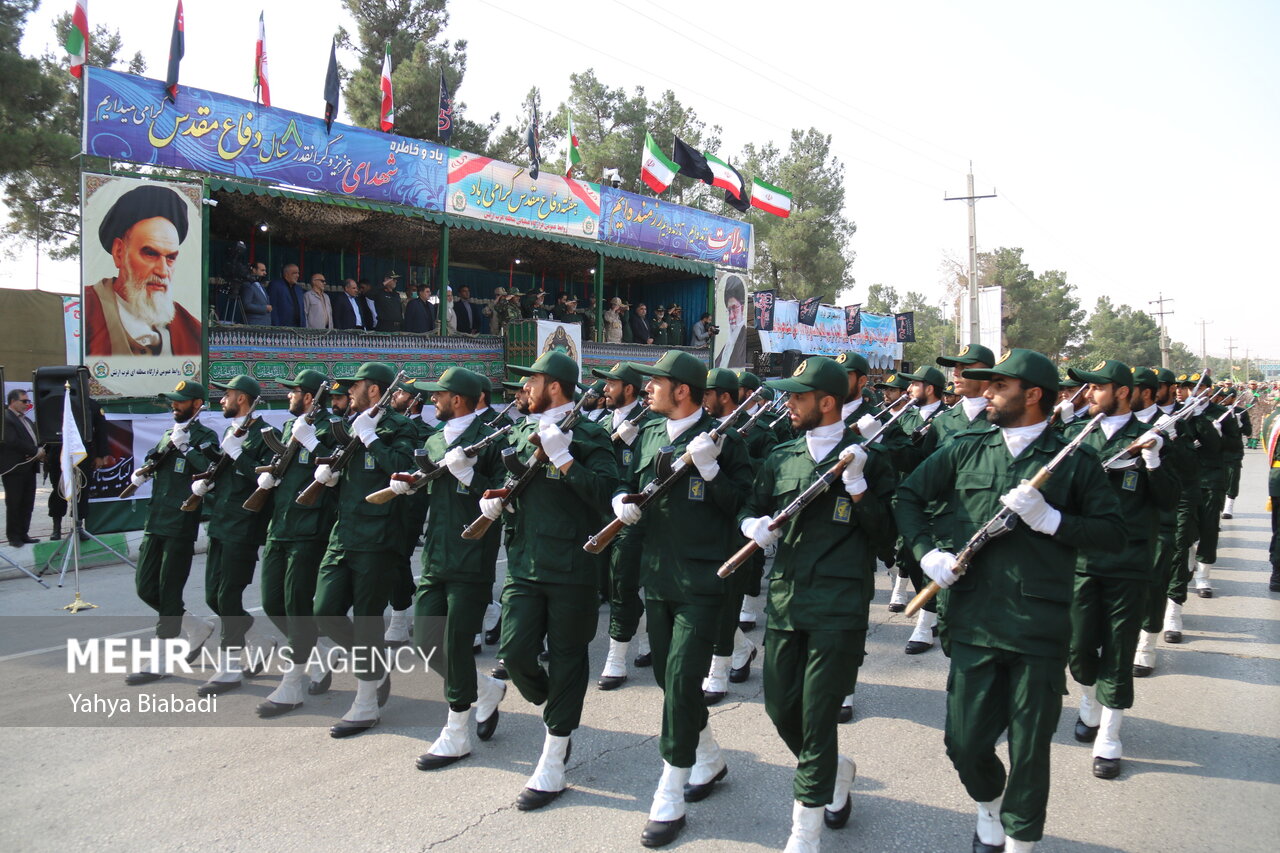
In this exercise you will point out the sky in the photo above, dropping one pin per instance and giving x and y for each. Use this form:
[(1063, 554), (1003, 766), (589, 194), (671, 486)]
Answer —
[(1130, 144)]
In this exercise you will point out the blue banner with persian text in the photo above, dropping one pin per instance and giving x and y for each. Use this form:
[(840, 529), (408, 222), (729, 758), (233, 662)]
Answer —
[(128, 118), (655, 225)]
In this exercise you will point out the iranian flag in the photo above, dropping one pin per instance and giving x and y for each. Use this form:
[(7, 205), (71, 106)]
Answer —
[(723, 175), (260, 84), (78, 38), (656, 169), (388, 102), (574, 157), (770, 199)]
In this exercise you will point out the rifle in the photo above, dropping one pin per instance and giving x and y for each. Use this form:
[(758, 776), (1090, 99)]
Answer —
[(780, 404), (520, 474), (918, 434), (428, 470), (347, 448), (1053, 418), (193, 501), (1130, 452), (1230, 409), (1004, 520), (633, 420), (148, 468), (669, 472), (284, 454), (751, 421), (905, 398)]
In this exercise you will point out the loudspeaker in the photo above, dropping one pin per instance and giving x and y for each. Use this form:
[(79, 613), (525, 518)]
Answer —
[(791, 359), (905, 367), (48, 390)]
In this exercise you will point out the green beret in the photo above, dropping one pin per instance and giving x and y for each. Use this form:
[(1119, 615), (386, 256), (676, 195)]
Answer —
[(971, 354), (854, 362), (376, 371), (929, 376), (722, 379), (457, 380)]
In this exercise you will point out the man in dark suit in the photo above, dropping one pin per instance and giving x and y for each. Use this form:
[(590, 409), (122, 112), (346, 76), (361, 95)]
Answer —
[(468, 314), (286, 298), (350, 309), (420, 314), (641, 333), (19, 459)]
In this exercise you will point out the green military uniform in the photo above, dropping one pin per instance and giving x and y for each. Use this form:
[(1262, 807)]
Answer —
[(296, 536), (820, 590), (1006, 621), (1233, 448), (413, 514), (234, 532), (1188, 519), (761, 440), (169, 534), (686, 535), (361, 558), (675, 327), (551, 587), (457, 574)]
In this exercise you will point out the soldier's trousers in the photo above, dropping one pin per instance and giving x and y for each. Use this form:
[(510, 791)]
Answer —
[(164, 564), (447, 615), (682, 637), (228, 570), (807, 674), (1275, 532), (359, 581), (1106, 615), (1162, 574), (402, 587), (289, 573), (989, 691), (1188, 530), (736, 586), (1233, 477), (625, 605), (565, 615), (1211, 501)]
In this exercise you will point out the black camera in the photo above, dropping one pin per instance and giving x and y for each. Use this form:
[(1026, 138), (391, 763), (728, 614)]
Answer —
[(235, 272), (713, 329)]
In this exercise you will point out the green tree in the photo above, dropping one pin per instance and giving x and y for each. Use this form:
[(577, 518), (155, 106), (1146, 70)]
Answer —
[(1042, 312), (881, 299), (935, 334), (40, 123), (1120, 332)]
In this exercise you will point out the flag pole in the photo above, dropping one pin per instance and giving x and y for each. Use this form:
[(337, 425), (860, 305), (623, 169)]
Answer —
[(71, 479)]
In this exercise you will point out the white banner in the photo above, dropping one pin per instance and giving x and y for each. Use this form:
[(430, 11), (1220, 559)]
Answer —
[(989, 318), (878, 340)]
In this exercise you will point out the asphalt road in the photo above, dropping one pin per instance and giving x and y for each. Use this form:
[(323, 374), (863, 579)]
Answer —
[(1201, 769)]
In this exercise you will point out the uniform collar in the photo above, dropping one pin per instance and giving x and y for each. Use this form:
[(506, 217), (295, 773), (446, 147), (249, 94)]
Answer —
[(849, 408), (454, 427), (675, 428), (1018, 439), (1112, 424), (973, 406), (821, 440), (621, 413), (1147, 414)]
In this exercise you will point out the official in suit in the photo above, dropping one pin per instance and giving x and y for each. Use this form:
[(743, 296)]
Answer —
[(19, 459), (350, 309)]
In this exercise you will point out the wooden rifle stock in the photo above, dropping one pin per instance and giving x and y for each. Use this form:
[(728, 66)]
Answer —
[(193, 501), (339, 460), (149, 468), (417, 478)]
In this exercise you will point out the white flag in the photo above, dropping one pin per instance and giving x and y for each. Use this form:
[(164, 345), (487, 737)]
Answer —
[(73, 452)]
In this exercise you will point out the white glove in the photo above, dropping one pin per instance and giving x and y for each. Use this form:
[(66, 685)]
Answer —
[(555, 443), (401, 487), (1151, 455), (854, 483), (200, 488), (1169, 426), (1200, 404), (137, 480), (1217, 427), (1029, 505), (869, 427), (758, 529), (180, 437), (325, 475), (365, 426), (1066, 411), (306, 434), (628, 431), (940, 566), (460, 465), (704, 452), (232, 444), (266, 481), (626, 513), (491, 508)]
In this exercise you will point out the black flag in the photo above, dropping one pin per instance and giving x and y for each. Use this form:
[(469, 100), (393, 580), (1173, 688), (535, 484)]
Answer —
[(691, 162), (764, 300), (906, 323), (331, 88), (741, 204), (445, 126), (809, 311), (853, 319), (177, 47), (531, 139)]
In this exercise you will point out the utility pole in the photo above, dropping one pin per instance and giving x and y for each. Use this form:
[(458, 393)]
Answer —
[(975, 326), (1204, 349), (1164, 334), (1231, 361)]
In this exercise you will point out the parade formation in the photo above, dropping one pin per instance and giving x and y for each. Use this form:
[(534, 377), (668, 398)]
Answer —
[(1041, 526)]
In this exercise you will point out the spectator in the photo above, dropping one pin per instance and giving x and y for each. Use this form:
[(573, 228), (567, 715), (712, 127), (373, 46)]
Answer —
[(658, 326), (350, 310), (286, 298), (640, 331), (506, 309), (587, 317), (420, 314), (564, 309), (253, 298), (388, 309), (467, 313), (702, 331), (675, 326), (613, 322), (370, 308), (19, 460), (316, 305)]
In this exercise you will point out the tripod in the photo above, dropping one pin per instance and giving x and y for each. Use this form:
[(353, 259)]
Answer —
[(71, 552), (26, 572)]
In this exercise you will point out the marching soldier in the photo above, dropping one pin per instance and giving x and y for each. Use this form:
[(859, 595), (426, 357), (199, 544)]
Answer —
[(761, 439), (1233, 451), (1006, 621), (1188, 521), (893, 387), (235, 533), (457, 573), (686, 533), (820, 588), (969, 412), (485, 411), (360, 560), (295, 545), (1113, 581), (407, 401), (550, 591), (1216, 433), (857, 403), (169, 535), (622, 387)]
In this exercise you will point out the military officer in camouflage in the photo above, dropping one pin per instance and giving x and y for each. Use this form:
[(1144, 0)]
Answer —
[(295, 544), (169, 535), (1113, 580), (550, 593), (686, 534), (820, 587), (234, 536), (1006, 621), (361, 557)]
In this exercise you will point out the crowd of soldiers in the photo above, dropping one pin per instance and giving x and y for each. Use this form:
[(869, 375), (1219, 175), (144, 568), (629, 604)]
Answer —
[(699, 503)]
